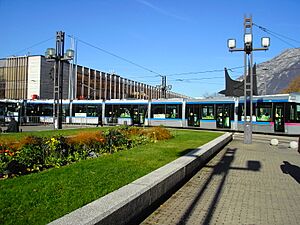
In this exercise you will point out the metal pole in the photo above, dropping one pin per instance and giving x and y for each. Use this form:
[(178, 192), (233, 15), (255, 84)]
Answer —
[(60, 41), (248, 84)]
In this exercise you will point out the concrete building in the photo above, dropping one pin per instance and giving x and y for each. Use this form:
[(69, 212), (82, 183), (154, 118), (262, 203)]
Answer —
[(27, 77)]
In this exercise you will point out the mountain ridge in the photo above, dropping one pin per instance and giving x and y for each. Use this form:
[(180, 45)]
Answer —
[(275, 75)]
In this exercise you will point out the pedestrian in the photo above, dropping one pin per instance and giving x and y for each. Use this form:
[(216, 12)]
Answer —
[(99, 121), (13, 126)]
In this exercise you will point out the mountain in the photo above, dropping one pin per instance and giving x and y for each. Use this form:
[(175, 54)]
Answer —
[(276, 74)]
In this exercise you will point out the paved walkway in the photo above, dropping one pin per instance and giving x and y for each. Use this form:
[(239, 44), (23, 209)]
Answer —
[(48, 127), (243, 184)]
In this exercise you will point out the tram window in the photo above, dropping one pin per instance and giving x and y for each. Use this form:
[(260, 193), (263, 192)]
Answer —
[(171, 111), (158, 111), (124, 111), (208, 112), (192, 110), (11, 108), (78, 108), (47, 110), (295, 112), (108, 110), (39, 110), (2, 110), (92, 111), (263, 112)]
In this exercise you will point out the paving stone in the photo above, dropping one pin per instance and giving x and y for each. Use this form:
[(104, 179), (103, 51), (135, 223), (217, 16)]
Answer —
[(243, 184)]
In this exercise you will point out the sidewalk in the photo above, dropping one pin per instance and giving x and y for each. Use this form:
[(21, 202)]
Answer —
[(243, 184), (48, 127)]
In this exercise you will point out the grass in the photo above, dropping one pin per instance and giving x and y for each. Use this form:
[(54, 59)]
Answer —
[(47, 133), (42, 197)]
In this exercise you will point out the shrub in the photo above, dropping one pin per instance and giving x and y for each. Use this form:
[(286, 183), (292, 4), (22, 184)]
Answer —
[(87, 142), (32, 154), (57, 151), (157, 133), (116, 140), (28, 157), (6, 156)]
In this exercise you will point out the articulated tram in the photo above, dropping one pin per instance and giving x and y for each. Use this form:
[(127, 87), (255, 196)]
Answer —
[(271, 113)]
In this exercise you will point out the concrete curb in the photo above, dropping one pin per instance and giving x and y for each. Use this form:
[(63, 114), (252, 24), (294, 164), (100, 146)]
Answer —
[(126, 203)]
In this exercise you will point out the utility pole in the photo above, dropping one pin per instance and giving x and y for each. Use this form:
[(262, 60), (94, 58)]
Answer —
[(248, 63)]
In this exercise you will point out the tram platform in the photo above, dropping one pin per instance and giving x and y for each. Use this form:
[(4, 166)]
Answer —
[(242, 184)]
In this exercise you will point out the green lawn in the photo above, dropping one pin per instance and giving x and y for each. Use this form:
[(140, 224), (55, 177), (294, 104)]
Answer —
[(46, 133), (42, 197)]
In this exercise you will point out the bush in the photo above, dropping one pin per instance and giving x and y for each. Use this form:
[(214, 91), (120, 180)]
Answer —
[(157, 133), (84, 143), (57, 151), (6, 156), (29, 156), (116, 140), (32, 154)]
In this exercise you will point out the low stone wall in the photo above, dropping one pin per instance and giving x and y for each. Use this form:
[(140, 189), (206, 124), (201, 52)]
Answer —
[(126, 203)]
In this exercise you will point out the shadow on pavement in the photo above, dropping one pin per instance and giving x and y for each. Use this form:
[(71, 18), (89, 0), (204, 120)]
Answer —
[(222, 168), (292, 170)]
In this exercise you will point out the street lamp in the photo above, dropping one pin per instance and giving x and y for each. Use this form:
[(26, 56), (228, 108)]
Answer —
[(58, 56), (248, 83), (164, 87)]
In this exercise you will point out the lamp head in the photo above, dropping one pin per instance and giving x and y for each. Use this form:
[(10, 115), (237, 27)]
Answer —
[(265, 42), (50, 53), (248, 43), (231, 43), (248, 39), (69, 54)]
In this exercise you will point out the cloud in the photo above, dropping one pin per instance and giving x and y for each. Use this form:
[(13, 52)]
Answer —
[(161, 11)]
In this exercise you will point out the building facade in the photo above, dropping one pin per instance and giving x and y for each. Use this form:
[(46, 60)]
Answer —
[(28, 77)]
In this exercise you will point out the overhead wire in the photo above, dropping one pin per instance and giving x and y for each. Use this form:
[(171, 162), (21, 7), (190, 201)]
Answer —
[(177, 74), (32, 46), (117, 56), (174, 74), (277, 35)]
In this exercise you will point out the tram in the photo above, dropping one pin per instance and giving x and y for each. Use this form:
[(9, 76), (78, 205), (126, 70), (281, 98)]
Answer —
[(271, 113)]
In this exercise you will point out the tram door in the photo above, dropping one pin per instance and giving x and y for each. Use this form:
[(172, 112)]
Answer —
[(193, 116), (193, 120), (278, 117), (223, 116)]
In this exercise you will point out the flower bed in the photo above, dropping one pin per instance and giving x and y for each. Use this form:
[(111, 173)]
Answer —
[(33, 154)]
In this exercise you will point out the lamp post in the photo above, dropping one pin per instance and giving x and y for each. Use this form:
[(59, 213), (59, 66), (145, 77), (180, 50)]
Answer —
[(248, 83), (164, 87), (58, 56)]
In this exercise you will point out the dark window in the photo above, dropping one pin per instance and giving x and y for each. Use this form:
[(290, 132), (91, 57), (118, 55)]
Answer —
[(171, 111), (91, 110), (39, 109), (192, 110), (294, 112), (264, 112), (207, 112), (241, 111)]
